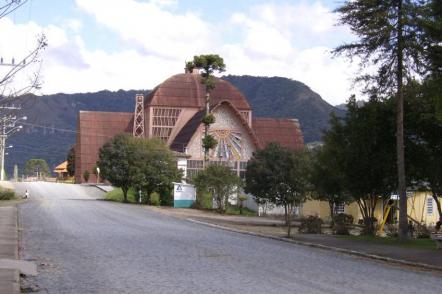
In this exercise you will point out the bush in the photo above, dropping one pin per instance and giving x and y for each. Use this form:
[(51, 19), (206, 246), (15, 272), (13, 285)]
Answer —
[(86, 175), (6, 194), (391, 230), (342, 223), (422, 232), (311, 225), (155, 199), (203, 200)]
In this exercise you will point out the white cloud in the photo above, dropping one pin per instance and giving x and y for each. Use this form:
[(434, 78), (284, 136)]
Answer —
[(288, 40)]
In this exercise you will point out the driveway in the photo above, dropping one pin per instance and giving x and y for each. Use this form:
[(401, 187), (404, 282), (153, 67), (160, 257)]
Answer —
[(84, 245)]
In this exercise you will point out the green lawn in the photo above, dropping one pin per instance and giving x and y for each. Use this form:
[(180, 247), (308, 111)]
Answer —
[(234, 210), (117, 195), (414, 243)]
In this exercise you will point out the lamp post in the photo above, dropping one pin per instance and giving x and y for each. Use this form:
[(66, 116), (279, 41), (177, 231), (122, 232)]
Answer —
[(98, 175)]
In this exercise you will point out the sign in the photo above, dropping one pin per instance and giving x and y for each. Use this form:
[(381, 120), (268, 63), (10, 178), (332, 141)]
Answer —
[(184, 195)]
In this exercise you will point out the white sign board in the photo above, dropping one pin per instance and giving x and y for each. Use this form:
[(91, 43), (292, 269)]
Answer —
[(184, 191)]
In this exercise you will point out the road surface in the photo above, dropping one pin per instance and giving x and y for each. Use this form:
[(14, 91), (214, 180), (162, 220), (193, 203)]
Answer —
[(84, 245)]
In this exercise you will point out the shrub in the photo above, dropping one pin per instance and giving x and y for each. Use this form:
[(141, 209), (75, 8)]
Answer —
[(311, 225), (155, 199), (6, 194), (203, 200), (342, 223), (86, 175), (422, 232), (391, 230)]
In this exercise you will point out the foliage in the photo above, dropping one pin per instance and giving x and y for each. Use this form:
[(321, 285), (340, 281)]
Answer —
[(220, 182), (71, 161), (391, 230), (342, 223), (86, 175), (424, 134), (327, 180), (146, 165), (363, 144), (6, 194), (209, 64), (154, 199), (279, 176), (203, 200), (311, 225), (115, 161), (36, 165), (208, 119), (152, 166), (209, 142), (392, 39)]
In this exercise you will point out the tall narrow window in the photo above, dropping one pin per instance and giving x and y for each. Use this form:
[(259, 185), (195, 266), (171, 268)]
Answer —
[(164, 119), (429, 205)]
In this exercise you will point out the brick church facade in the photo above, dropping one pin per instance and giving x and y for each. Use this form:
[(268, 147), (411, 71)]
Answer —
[(173, 113)]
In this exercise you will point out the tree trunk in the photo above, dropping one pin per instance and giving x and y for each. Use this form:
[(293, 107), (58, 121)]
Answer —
[(332, 212), (289, 220), (438, 205), (286, 214), (124, 194), (403, 220), (206, 128)]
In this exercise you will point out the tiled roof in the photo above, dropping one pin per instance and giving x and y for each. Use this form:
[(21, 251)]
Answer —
[(286, 132), (186, 90)]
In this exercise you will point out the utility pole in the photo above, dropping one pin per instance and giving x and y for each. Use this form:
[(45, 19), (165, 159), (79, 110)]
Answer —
[(7, 127)]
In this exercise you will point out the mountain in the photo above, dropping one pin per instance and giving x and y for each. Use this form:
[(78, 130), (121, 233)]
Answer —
[(285, 98), (50, 129)]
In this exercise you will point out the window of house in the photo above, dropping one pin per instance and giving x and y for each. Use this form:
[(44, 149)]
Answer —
[(340, 208), (429, 205), (193, 167)]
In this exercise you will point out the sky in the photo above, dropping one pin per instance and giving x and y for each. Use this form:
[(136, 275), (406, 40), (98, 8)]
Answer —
[(128, 44)]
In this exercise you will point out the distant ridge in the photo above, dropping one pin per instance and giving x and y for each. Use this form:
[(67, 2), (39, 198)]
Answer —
[(52, 119)]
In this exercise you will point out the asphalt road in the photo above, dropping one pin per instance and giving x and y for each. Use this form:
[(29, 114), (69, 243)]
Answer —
[(83, 245)]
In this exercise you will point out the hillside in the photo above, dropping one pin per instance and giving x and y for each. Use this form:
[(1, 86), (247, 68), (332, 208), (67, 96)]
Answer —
[(50, 129), (284, 98)]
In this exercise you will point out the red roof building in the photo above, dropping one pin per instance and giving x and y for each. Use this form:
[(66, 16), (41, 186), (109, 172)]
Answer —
[(173, 113)]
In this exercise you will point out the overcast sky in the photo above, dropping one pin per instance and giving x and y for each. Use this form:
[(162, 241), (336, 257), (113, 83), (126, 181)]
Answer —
[(129, 44)]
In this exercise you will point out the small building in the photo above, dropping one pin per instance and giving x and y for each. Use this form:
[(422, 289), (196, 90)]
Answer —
[(62, 170)]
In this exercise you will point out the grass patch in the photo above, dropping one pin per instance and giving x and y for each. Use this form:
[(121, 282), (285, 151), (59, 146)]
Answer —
[(234, 210), (117, 195), (426, 244), (6, 194)]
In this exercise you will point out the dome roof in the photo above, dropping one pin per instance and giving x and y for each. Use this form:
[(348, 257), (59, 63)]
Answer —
[(186, 90)]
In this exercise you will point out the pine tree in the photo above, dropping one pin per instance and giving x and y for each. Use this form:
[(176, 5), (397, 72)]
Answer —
[(390, 39)]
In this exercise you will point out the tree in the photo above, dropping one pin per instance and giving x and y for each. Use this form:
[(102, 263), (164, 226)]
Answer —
[(363, 145), (280, 176), (220, 182), (425, 140), (327, 180), (209, 64), (115, 160), (71, 161), (391, 39), (153, 167), (36, 166)]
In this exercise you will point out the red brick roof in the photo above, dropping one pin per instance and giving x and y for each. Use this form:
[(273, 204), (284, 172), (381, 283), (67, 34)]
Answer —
[(286, 132), (186, 90), (94, 129)]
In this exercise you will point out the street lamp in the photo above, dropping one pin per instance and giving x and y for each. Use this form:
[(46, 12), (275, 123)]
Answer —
[(98, 175)]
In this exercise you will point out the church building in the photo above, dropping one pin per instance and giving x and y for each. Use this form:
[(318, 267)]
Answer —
[(173, 112)]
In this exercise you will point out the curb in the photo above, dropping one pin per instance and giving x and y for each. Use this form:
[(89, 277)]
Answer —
[(9, 275), (325, 247)]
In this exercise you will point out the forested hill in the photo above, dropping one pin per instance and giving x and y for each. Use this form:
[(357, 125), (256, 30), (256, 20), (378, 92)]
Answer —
[(284, 98), (50, 129)]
